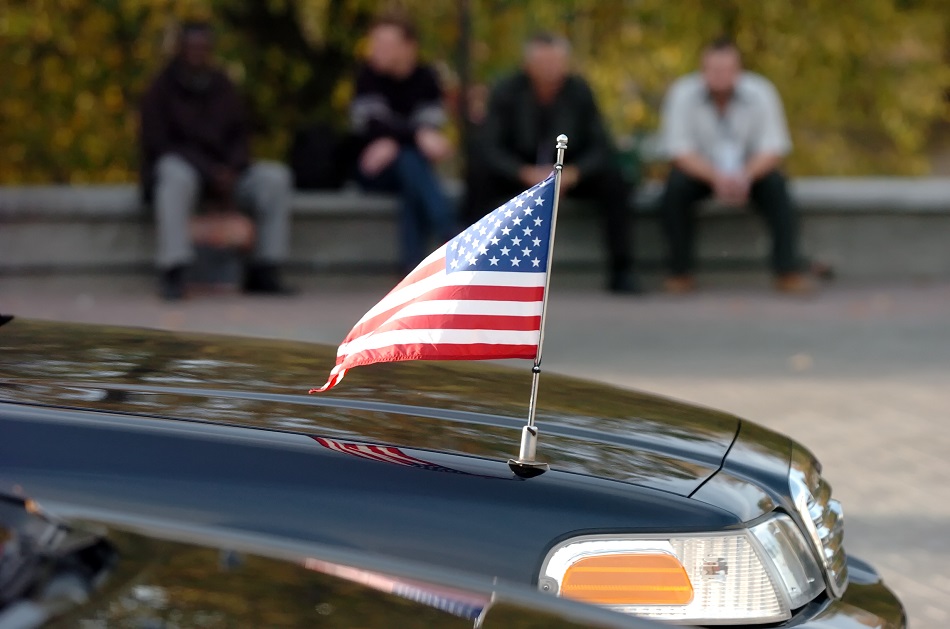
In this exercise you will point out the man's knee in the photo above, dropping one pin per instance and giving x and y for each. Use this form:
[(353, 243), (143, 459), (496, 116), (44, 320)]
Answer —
[(681, 190), (274, 176), (172, 170)]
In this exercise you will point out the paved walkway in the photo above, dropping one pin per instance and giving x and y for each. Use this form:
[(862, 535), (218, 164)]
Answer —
[(861, 374)]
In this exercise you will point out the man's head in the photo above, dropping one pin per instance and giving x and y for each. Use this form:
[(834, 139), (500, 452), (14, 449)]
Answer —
[(547, 62), (196, 46), (721, 67), (393, 46)]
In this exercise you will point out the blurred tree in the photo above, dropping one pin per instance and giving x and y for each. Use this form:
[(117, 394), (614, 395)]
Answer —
[(864, 83)]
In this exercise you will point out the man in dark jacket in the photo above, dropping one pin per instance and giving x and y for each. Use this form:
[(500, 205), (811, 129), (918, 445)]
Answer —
[(397, 114), (195, 146), (527, 111)]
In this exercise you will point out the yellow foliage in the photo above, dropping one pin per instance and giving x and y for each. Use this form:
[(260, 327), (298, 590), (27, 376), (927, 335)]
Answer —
[(863, 82)]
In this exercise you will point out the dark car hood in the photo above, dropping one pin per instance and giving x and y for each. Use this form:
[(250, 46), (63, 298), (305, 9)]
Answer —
[(466, 408)]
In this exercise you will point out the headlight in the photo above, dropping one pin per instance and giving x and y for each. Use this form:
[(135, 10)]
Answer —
[(757, 575), (823, 518)]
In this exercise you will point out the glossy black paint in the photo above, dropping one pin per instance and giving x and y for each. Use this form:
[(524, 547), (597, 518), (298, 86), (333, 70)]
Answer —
[(467, 408)]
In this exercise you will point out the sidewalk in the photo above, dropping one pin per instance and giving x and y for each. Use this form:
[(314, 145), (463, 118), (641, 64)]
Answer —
[(860, 374)]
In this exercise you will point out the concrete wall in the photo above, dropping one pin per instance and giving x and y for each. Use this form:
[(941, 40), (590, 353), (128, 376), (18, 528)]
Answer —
[(894, 228)]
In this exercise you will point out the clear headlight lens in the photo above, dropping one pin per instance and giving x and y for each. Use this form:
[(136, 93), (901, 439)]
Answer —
[(758, 575), (792, 559), (823, 517)]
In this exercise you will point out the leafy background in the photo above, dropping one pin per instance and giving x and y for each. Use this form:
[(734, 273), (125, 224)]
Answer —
[(865, 83)]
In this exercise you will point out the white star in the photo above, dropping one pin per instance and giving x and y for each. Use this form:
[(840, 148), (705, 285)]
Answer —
[(538, 221), (455, 264), (527, 231), (482, 230), (505, 231), (462, 252), (515, 262), (531, 192), (504, 251), (535, 262), (528, 211), (536, 242), (472, 260), (493, 260), (468, 237), (455, 245), (516, 241), (508, 213), (494, 240), (526, 252), (519, 203), (482, 250), (516, 221), (539, 201)]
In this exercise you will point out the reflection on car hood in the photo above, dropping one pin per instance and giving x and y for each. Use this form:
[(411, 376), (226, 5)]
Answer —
[(466, 408)]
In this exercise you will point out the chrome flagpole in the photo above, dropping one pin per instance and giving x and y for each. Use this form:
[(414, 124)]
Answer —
[(525, 465)]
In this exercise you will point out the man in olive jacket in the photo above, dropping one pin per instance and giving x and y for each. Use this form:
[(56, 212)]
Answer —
[(526, 112)]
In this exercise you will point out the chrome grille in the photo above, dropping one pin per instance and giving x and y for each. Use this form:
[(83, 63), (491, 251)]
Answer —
[(823, 518)]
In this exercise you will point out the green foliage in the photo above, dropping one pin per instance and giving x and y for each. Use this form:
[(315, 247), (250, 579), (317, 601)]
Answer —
[(864, 82)]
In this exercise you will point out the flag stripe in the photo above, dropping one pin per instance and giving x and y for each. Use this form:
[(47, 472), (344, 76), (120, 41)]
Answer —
[(437, 336), (442, 351), (528, 294), (489, 323)]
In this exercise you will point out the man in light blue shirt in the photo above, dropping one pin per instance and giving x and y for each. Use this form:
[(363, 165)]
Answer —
[(725, 132)]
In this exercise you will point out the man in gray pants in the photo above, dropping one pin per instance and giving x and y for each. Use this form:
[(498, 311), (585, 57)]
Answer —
[(195, 147)]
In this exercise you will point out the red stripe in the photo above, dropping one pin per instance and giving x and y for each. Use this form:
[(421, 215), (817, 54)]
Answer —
[(455, 293), (442, 351), (462, 322)]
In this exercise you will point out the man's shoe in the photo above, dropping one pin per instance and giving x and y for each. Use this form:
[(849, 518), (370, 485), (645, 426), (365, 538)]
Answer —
[(172, 284), (624, 283), (679, 284), (264, 279), (793, 284)]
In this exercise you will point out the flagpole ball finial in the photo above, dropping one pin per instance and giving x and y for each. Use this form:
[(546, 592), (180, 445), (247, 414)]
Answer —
[(562, 141)]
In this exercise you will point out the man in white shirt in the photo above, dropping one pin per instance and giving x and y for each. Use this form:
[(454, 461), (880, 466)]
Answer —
[(724, 130)]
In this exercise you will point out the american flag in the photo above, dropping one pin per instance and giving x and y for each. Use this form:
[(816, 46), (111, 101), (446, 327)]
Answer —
[(477, 297), (383, 454)]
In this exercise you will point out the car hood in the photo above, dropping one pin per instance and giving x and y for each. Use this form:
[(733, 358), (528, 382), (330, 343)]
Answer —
[(466, 408)]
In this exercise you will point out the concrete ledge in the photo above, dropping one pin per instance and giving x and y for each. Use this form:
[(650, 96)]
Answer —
[(872, 227)]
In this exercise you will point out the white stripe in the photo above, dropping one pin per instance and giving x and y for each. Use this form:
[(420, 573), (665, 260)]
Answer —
[(461, 278), (468, 307), (439, 337)]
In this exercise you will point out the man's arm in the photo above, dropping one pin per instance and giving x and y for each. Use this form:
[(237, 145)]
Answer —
[(237, 154), (772, 142), (598, 151), (500, 159)]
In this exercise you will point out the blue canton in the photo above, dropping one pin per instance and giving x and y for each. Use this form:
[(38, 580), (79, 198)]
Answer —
[(512, 238)]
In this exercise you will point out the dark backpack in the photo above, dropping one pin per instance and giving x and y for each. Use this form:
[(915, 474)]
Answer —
[(320, 158)]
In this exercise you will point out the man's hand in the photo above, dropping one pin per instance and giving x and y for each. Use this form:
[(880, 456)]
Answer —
[(433, 144), (530, 174), (732, 189), (224, 180), (378, 156)]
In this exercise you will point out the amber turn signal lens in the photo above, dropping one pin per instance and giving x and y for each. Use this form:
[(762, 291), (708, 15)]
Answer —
[(628, 579)]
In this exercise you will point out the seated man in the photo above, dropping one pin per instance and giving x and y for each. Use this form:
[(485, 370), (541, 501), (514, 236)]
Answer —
[(195, 146), (725, 131), (526, 113), (397, 114)]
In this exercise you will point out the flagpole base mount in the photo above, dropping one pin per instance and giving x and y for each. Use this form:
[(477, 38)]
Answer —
[(527, 469)]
